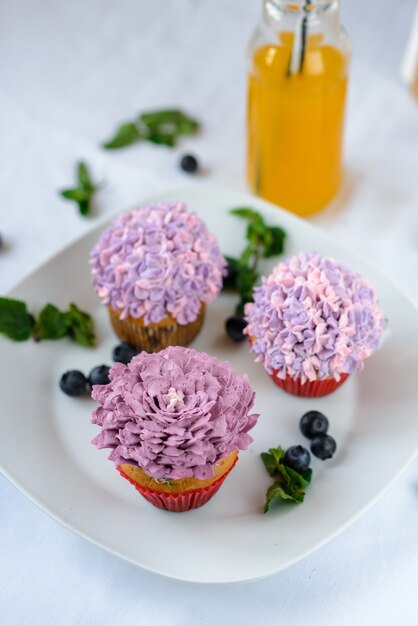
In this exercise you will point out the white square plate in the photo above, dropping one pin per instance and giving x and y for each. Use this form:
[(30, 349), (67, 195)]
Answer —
[(45, 447)]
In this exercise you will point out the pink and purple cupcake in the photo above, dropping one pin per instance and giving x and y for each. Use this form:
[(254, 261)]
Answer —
[(313, 322), (156, 268), (174, 421)]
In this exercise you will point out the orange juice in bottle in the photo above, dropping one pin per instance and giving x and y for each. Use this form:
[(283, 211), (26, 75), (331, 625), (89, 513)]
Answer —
[(297, 87)]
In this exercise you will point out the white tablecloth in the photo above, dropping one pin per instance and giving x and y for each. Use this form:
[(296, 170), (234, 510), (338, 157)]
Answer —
[(69, 72)]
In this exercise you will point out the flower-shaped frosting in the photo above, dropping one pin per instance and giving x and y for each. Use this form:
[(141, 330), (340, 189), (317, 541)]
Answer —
[(157, 260), (174, 413), (313, 318)]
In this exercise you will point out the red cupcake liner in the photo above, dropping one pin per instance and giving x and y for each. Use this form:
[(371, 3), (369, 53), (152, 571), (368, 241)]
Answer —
[(179, 502), (309, 389)]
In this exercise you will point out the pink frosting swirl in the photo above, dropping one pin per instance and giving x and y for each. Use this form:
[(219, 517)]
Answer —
[(174, 413), (313, 318), (157, 260)]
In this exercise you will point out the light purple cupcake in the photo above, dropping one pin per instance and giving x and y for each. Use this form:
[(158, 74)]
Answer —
[(156, 268), (313, 322)]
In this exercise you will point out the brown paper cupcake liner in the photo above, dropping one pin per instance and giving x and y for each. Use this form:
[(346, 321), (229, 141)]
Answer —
[(155, 337)]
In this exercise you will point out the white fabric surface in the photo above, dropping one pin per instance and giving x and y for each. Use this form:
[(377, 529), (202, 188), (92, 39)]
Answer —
[(69, 72)]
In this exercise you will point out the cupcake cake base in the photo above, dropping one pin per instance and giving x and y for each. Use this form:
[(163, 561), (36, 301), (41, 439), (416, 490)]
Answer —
[(309, 389), (156, 336), (178, 495)]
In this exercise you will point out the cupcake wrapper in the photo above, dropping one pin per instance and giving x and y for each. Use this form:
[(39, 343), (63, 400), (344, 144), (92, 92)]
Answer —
[(314, 389), (179, 502), (153, 338)]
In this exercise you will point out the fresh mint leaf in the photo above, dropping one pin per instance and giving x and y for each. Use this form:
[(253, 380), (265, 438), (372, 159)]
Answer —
[(83, 176), (274, 240), (164, 127), (256, 233), (249, 214), (18, 324), (80, 326), (262, 241), (288, 484), (272, 459), (84, 207), (301, 479), (162, 139), (234, 267), (51, 323), (187, 126), (169, 120), (240, 308), (15, 320), (246, 254), (158, 127), (82, 194), (159, 118), (77, 194), (276, 491), (246, 280), (125, 135)]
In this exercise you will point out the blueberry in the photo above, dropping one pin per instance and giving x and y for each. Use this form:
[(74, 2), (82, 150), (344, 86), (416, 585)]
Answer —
[(189, 164), (99, 375), (297, 458), (323, 446), (123, 352), (73, 383), (313, 423), (234, 326)]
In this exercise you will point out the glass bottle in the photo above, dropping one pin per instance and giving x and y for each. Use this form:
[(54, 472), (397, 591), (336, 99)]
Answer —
[(297, 86)]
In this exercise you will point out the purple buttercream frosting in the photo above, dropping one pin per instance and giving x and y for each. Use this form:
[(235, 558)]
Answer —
[(313, 318), (157, 260), (174, 413)]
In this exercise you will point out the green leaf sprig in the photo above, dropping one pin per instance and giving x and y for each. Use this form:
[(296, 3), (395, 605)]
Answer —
[(83, 194), (15, 320), (159, 127), (18, 324), (263, 241), (288, 484)]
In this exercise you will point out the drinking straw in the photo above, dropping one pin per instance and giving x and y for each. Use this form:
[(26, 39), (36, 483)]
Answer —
[(297, 55)]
